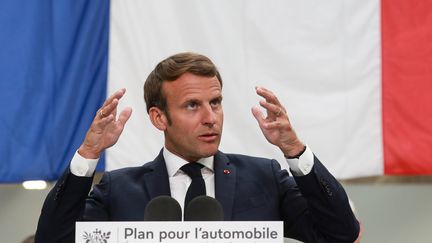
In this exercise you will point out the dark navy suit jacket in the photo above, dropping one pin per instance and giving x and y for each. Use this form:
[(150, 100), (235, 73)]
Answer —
[(314, 207)]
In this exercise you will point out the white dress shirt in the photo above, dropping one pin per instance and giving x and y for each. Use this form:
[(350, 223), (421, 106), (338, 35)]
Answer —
[(179, 181)]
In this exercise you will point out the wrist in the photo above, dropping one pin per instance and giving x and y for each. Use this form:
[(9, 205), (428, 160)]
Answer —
[(88, 153), (297, 155), (294, 151)]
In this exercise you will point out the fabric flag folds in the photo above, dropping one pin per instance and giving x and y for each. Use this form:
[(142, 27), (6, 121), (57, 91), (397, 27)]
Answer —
[(407, 84), (53, 70), (355, 77)]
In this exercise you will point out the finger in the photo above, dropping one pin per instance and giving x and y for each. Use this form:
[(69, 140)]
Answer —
[(272, 125), (103, 122), (117, 95), (278, 124), (267, 95), (121, 122), (108, 109), (258, 115), (124, 116), (273, 110)]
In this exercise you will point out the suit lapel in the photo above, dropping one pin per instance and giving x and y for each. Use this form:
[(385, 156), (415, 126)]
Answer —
[(225, 181), (156, 181)]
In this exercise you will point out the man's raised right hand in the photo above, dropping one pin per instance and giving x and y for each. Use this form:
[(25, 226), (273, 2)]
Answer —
[(106, 128)]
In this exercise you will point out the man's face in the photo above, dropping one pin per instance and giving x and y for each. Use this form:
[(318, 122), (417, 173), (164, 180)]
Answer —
[(195, 108)]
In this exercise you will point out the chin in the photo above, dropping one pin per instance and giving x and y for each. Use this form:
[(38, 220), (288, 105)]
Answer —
[(209, 152)]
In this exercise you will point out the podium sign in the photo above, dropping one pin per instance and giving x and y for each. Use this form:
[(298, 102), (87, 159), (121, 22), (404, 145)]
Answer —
[(178, 232)]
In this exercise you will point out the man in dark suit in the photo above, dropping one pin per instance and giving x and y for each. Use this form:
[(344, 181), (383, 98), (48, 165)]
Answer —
[(184, 100)]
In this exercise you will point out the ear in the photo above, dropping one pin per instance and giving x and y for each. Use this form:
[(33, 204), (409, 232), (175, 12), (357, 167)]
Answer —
[(158, 118)]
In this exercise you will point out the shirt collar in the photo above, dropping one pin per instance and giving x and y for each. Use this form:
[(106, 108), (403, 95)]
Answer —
[(174, 162)]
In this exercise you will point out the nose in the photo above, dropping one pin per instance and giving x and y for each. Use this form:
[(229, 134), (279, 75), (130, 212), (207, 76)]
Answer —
[(208, 116)]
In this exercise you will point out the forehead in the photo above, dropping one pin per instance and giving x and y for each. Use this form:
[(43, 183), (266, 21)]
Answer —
[(191, 86)]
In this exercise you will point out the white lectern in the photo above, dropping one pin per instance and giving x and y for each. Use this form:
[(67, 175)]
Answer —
[(179, 232)]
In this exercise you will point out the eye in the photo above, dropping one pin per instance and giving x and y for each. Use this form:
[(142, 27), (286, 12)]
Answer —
[(191, 105), (216, 102)]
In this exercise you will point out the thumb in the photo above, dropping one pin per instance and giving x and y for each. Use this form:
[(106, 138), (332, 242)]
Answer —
[(125, 115), (258, 115)]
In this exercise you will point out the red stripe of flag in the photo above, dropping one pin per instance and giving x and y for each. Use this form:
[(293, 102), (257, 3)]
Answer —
[(407, 86)]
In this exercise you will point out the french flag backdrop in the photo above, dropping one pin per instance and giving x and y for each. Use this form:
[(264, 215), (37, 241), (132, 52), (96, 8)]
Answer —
[(355, 77)]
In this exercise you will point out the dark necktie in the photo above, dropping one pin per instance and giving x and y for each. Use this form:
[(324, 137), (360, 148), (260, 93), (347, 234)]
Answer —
[(197, 186)]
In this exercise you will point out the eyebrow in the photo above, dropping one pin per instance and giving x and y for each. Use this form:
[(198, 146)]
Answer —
[(199, 102), (219, 97), (192, 101)]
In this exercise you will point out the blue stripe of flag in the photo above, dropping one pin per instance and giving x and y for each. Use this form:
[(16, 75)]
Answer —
[(53, 78)]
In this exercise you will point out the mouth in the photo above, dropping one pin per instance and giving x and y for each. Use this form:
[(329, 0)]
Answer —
[(208, 137)]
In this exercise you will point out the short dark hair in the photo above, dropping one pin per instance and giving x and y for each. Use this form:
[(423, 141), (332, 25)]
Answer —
[(171, 69)]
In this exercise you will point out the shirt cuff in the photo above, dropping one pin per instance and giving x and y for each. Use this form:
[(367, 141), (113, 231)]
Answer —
[(81, 166), (303, 165)]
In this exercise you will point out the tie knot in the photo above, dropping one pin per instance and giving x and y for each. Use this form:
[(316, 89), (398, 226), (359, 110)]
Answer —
[(192, 169)]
